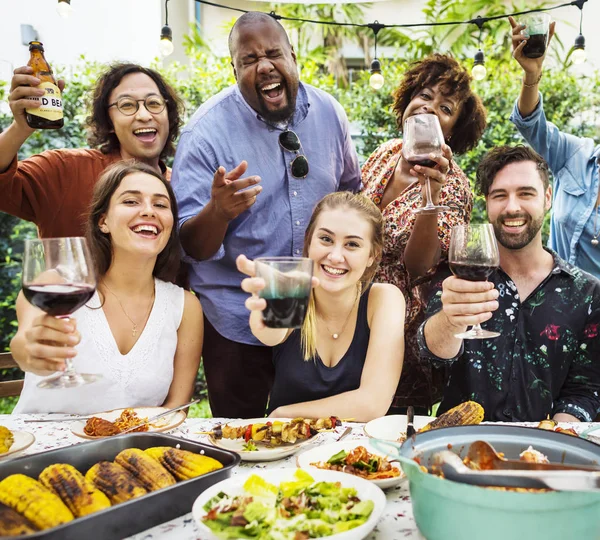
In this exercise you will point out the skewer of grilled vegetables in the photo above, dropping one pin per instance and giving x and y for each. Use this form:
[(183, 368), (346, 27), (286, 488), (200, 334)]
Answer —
[(115, 482), (35, 502), (6, 439), (183, 464), (277, 432), (465, 414), (80, 495), (150, 473), (14, 524)]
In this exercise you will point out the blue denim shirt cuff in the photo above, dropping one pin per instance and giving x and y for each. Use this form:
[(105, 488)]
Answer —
[(425, 353), (517, 119)]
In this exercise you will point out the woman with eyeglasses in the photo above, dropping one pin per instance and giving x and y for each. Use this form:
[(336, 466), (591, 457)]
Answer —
[(347, 357), (415, 243), (139, 331), (135, 114)]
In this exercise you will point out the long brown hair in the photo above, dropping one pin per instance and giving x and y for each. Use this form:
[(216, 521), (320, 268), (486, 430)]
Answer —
[(100, 244), (370, 213)]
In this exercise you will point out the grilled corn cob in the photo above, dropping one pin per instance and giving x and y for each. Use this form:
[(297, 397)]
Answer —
[(465, 414), (151, 474), (115, 482), (6, 439), (35, 502), (182, 464), (79, 494), (14, 524)]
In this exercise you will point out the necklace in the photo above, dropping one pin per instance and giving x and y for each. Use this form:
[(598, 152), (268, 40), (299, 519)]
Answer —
[(595, 240), (336, 335), (135, 326)]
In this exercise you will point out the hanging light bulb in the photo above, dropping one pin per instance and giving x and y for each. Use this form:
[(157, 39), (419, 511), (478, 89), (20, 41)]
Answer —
[(166, 41), (376, 80), (578, 53), (479, 72), (64, 8)]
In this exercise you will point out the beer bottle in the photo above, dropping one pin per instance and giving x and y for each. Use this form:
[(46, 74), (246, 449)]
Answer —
[(50, 114)]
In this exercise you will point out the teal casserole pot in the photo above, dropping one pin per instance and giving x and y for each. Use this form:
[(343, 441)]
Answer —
[(446, 510)]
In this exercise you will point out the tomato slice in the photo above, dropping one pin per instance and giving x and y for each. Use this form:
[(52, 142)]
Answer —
[(248, 434)]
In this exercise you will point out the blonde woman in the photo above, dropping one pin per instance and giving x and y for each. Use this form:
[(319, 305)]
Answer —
[(347, 358)]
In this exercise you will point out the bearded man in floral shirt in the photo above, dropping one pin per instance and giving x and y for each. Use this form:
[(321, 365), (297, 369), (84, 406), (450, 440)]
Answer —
[(546, 360)]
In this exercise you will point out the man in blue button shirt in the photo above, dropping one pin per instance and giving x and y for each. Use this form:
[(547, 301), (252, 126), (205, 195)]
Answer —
[(575, 224), (278, 146)]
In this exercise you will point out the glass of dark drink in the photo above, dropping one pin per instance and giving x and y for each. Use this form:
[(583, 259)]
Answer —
[(422, 135), (474, 256), (536, 32), (287, 289), (59, 278)]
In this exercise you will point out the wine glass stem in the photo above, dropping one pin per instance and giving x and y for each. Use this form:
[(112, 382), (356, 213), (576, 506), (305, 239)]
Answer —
[(428, 192), (69, 370)]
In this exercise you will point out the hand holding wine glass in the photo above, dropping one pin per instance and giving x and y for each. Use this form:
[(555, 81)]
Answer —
[(424, 140), (473, 256), (59, 278)]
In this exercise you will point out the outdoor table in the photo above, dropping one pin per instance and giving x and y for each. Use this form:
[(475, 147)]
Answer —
[(397, 521)]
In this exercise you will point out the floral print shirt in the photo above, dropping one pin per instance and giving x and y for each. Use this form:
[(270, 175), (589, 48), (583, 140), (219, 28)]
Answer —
[(547, 358), (416, 387)]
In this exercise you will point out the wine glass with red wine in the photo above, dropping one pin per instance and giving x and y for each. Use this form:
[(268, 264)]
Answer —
[(59, 278), (474, 256), (422, 135)]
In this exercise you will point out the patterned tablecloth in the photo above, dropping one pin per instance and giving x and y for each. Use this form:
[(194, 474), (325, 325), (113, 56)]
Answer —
[(397, 521)]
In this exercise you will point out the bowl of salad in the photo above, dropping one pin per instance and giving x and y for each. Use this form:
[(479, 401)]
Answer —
[(287, 504)]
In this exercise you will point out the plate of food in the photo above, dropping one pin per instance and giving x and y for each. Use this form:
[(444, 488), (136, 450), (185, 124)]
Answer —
[(358, 458), (290, 503), (268, 439), (12, 443), (114, 422)]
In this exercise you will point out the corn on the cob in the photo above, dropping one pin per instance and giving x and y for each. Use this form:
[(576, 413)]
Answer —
[(115, 482), (31, 499), (79, 494), (182, 464), (14, 524), (465, 414), (151, 474), (6, 439)]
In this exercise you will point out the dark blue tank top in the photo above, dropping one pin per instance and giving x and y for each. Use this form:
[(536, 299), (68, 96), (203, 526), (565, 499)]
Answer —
[(297, 380)]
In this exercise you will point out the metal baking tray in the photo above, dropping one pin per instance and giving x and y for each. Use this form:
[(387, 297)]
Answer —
[(132, 516)]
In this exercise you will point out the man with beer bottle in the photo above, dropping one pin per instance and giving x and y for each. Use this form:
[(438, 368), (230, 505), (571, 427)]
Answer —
[(135, 114)]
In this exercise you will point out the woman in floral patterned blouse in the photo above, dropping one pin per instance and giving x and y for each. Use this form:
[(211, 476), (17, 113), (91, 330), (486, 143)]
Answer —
[(415, 244)]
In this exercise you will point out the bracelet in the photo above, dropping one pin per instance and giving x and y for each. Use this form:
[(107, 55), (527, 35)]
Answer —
[(525, 85)]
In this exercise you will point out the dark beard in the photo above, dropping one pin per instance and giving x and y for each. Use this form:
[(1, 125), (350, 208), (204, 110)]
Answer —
[(524, 239), (280, 115)]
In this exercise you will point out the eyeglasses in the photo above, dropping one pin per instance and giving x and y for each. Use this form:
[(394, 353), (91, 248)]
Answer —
[(129, 106), (289, 141)]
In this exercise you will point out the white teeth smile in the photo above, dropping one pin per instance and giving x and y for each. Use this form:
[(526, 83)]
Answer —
[(270, 87), (514, 223), (145, 228), (144, 130), (334, 271)]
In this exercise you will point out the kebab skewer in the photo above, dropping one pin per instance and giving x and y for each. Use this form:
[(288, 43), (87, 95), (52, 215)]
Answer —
[(276, 432)]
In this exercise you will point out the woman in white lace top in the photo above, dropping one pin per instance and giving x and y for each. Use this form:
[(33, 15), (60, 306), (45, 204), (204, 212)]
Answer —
[(141, 332)]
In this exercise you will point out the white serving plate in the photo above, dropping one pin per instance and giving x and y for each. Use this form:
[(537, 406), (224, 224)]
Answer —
[(22, 441), (233, 486), (264, 453), (166, 423), (393, 427), (323, 453)]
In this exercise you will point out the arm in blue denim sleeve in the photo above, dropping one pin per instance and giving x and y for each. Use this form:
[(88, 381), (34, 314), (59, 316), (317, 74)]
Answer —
[(580, 394), (544, 137), (351, 178)]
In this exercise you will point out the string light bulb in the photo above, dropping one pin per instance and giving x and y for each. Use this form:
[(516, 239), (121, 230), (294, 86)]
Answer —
[(166, 41), (479, 71), (63, 8), (376, 80), (578, 53)]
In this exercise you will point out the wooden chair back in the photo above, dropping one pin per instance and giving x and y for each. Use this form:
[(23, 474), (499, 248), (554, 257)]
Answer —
[(9, 388)]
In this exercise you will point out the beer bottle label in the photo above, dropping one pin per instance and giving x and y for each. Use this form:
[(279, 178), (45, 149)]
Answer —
[(51, 108)]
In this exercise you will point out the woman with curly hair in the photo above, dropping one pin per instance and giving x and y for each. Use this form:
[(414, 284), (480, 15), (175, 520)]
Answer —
[(135, 114), (415, 243)]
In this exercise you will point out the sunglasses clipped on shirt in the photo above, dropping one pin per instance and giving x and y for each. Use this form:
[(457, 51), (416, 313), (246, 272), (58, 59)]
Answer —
[(289, 141)]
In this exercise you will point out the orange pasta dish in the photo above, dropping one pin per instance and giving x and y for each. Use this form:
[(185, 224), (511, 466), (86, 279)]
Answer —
[(99, 427), (361, 463)]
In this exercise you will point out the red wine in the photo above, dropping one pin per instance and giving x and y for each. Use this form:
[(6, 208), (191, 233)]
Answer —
[(423, 161), (58, 299), (472, 272), (535, 46), (286, 312)]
